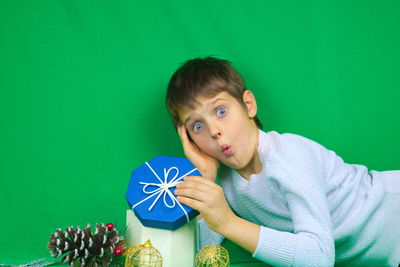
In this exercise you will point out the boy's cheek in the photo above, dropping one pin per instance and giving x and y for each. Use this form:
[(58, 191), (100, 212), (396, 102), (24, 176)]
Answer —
[(204, 146), (212, 152), (198, 141)]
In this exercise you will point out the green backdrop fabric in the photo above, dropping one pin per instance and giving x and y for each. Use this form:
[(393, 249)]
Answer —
[(82, 86)]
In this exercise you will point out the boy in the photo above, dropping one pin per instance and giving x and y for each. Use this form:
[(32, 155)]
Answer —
[(286, 199)]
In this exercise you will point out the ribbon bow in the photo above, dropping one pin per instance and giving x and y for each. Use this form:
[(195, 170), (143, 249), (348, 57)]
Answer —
[(163, 189)]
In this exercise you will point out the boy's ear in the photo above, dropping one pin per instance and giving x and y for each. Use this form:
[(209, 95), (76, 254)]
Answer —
[(250, 101)]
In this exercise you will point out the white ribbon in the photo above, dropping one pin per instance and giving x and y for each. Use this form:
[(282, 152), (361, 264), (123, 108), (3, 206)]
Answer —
[(163, 189)]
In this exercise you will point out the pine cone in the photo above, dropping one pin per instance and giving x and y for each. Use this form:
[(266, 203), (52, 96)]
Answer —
[(84, 248)]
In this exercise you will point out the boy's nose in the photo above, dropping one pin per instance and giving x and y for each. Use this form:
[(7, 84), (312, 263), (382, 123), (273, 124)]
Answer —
[(215, 131)]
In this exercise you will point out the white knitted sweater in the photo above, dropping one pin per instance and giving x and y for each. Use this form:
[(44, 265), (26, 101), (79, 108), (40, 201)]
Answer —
[(313, 209)]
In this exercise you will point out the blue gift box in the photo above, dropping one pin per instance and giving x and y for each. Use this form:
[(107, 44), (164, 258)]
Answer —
[(151, 192)]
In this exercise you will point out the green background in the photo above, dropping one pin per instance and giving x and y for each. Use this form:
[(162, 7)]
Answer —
[(82, 86)]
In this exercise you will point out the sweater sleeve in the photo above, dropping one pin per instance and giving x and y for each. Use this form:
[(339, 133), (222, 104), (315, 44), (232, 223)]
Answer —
[(206, 236), (301, 182)]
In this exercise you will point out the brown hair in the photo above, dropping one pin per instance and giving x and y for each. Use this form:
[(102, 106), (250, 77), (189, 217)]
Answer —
[(206, 77)]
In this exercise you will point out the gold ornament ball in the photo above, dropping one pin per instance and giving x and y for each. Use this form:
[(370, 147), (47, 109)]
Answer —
[(212, 256), (144, 255)]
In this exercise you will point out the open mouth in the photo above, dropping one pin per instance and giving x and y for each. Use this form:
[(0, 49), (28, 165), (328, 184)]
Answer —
[(227, 150)]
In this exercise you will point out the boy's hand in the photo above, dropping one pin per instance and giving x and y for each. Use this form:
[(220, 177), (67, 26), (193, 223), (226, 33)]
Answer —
[(206, 165), (208, 198)]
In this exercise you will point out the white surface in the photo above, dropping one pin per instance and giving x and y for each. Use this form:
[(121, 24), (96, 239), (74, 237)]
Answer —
[(177, 247)]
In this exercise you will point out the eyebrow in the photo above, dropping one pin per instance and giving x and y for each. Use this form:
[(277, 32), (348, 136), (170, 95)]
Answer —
[(212, 103)]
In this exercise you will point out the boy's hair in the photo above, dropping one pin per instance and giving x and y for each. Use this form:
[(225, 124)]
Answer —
[(203, 77)]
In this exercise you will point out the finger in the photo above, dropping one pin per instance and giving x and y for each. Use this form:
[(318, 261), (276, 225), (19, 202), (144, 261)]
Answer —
[(179, 128), (198, 190), (198, 180), (186, 144), (183, 134), (194, 204), (193, 193), (194, 185)]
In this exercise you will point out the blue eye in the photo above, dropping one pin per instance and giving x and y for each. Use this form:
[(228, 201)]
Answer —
[(221, 111), (197, 127)]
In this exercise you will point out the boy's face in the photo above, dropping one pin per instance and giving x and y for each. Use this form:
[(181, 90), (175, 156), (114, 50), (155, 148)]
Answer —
[(224, 129)]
